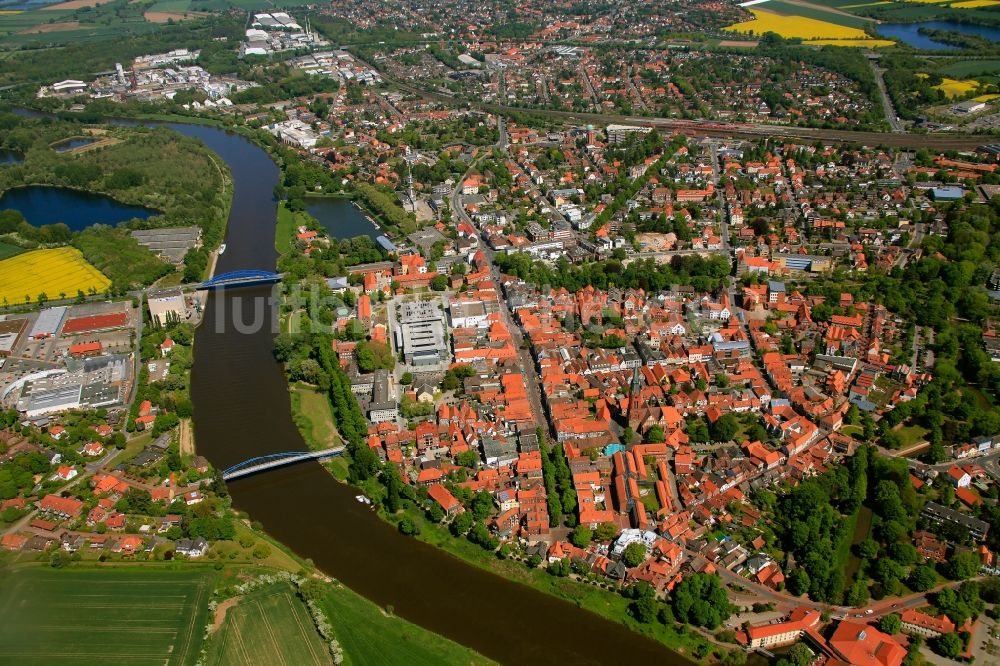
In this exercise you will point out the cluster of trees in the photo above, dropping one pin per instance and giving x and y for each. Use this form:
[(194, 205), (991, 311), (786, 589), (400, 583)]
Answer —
[(372, 356), (286, 83), (12, 222), (386, 204), (558, 484), (703, 274), (114, 252), (18, 475), (811, 525), (456, 375), (331, 261), (700, 600)]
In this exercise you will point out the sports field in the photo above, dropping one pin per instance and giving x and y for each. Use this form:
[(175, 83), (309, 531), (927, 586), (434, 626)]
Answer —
[(269, 627), (52, 272), (103, 616)]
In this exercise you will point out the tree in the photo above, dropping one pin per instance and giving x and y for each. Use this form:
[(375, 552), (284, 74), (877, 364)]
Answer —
[(890, 624), (581, 536), (439, 282), (643, 609), (857, 594), (725, 428), (59, 559), (461, 524), (948, 645), (964, 564), (435, 513), (700, 600), (634, 555), (407, 378), (921, 578), (868, 549), (655, 434), (798, 655), (605, 532), (408, 527)]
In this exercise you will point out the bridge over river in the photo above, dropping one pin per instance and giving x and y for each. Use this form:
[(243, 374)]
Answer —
[(263, 463), (244, 278)]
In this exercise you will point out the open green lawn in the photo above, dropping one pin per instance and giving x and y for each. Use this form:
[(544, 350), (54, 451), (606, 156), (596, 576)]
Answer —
[(910, 435), (103, 616), (851, 430), (311, 409), (7, 250), (285, 230), (268, 626), (369, 637), (859, 525)]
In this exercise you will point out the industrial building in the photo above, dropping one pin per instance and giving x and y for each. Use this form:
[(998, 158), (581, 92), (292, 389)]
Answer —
[(421, 334), (100, 381), (48, 323), (167, 305), (11, 331), (382, 407)]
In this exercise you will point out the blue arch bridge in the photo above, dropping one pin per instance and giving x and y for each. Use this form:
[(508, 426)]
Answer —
[(263, 463), (247, 278)]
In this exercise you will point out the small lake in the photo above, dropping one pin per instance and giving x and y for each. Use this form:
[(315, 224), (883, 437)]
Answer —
[(341, 218), (72, 143), (10, 157), (42, 205), (908, 33)]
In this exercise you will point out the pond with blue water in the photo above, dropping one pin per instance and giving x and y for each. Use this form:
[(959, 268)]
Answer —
[(41, 204), (909, 33)]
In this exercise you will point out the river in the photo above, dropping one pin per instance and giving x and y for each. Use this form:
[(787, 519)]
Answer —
[(242, 409)]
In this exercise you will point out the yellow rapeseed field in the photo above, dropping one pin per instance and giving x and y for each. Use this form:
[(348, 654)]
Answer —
[(953, 88), (52, 272), (795, 26), (986, 98), (974, 4)]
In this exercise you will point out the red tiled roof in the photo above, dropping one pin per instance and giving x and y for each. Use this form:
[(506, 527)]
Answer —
[(95, 323)]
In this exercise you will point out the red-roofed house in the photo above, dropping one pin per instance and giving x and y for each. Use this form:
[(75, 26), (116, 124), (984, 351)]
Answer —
[(782, 633), (440, 494), (863, 645), (921, 624)]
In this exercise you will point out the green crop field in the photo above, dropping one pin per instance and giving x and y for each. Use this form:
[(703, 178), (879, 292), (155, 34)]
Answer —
[(371, 638), (93, 616), (963, 69), (269, 626), (8, 250), (792, 9)]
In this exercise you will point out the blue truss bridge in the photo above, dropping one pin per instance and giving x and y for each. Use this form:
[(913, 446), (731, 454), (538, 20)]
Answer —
[(260, 464), (248, 278)]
